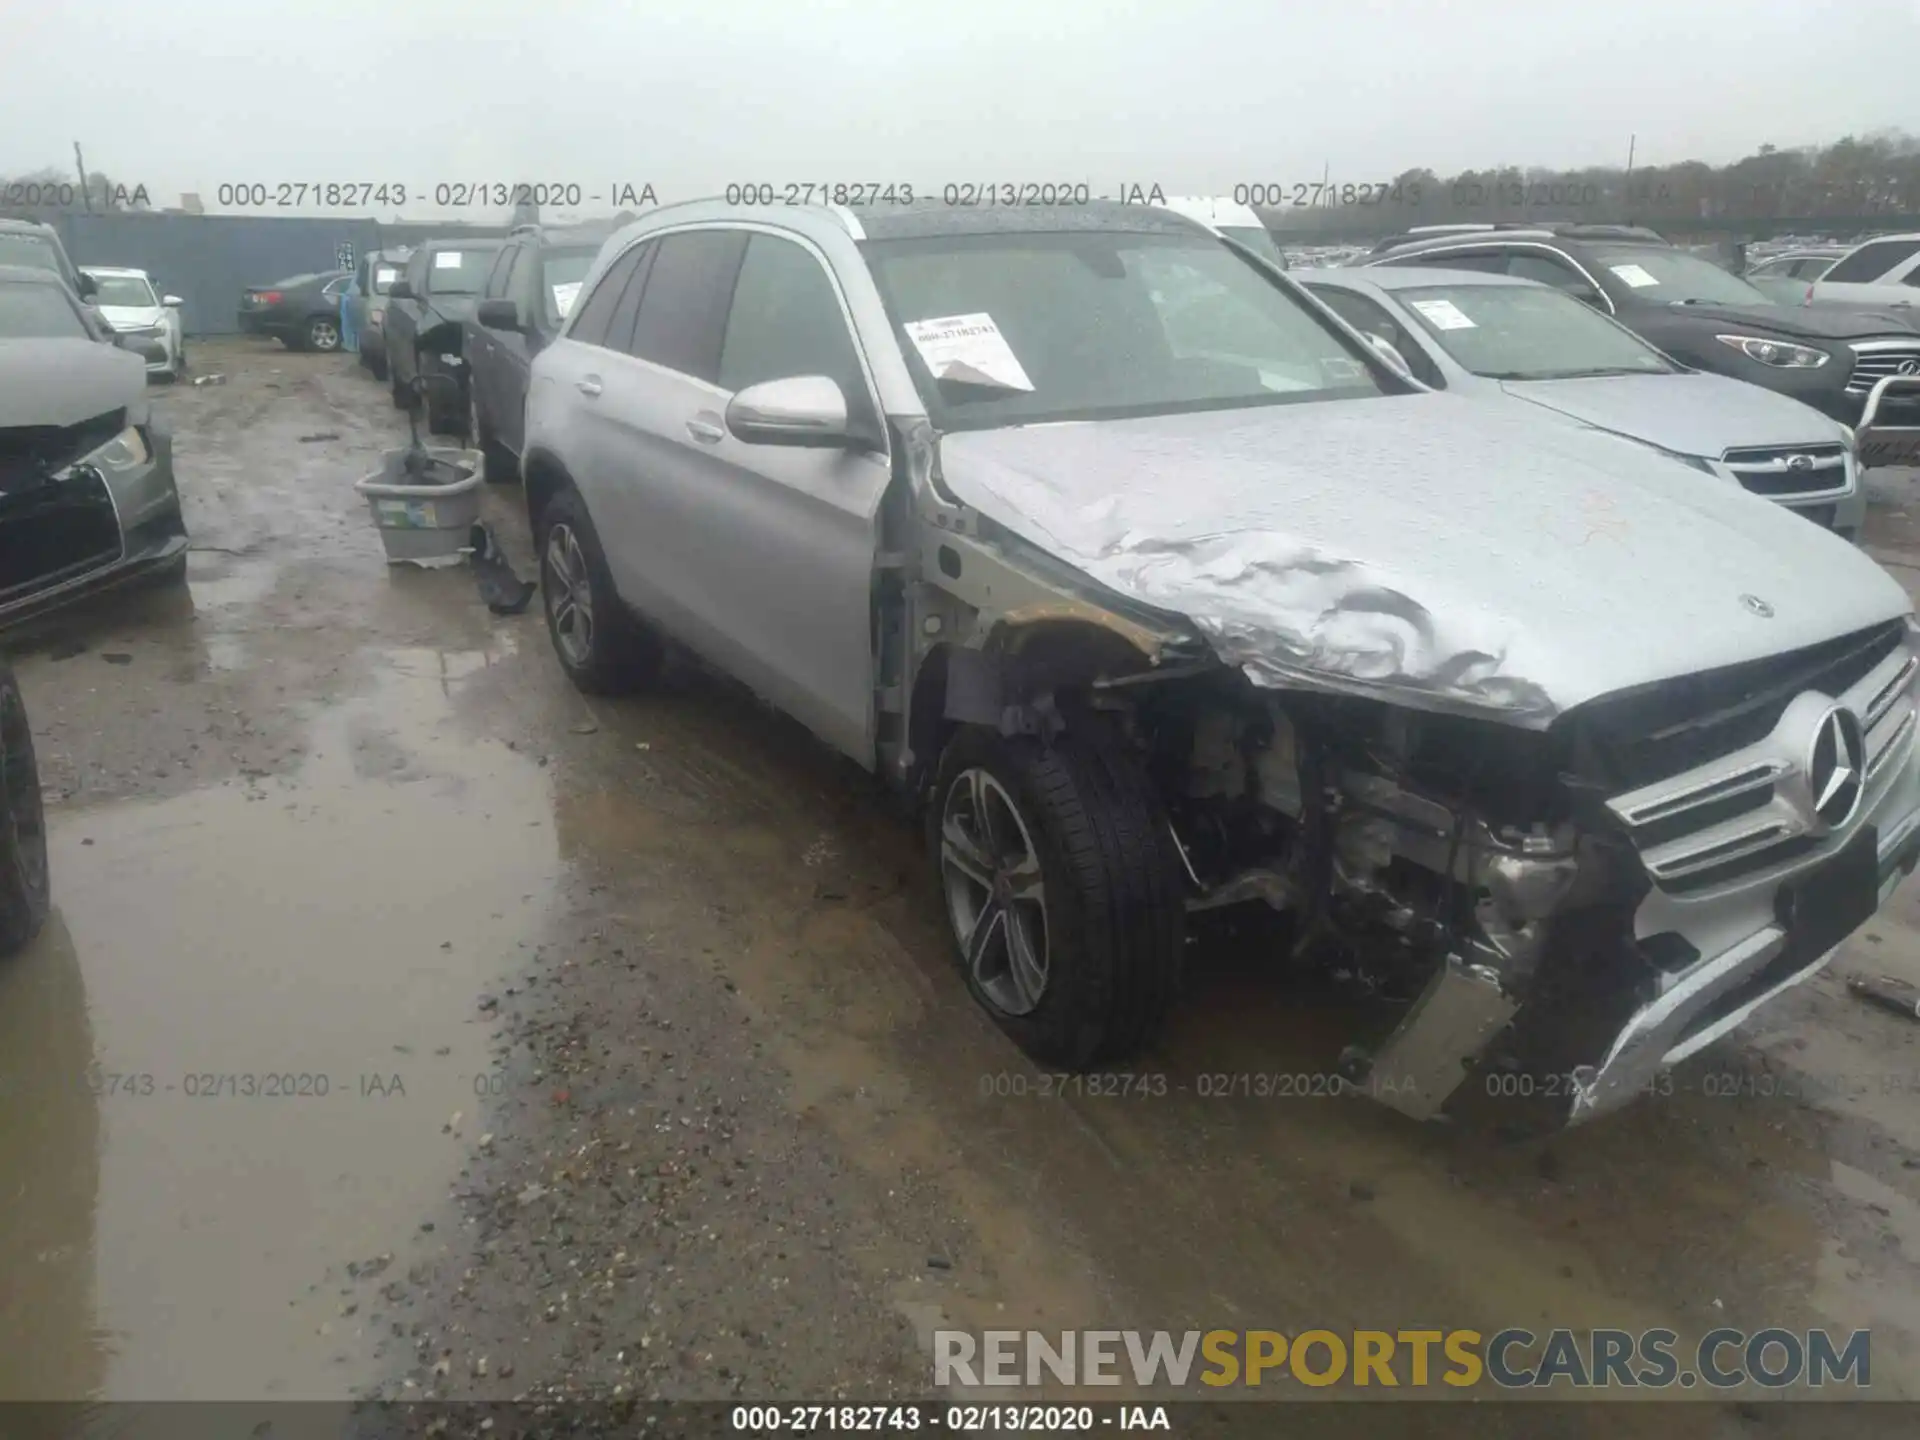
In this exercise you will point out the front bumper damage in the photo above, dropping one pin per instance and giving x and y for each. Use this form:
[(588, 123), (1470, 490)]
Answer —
[(115, 527), (1749, 893)]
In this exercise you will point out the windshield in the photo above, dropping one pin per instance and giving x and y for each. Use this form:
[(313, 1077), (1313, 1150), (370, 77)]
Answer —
[(561, 273), (129, 290), (1645, 274), (459, 272), (1256, 238), (32, 311), (1527, 332), (32, 251), (1025, 327)]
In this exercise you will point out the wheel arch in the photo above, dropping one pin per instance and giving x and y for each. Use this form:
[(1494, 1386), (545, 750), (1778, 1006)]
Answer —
[(1027, 657)]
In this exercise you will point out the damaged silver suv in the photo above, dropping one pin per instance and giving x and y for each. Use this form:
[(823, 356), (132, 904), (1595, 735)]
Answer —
[(1136, 567)]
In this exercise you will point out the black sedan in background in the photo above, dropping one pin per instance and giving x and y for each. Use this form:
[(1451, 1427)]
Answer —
[(302, 312)]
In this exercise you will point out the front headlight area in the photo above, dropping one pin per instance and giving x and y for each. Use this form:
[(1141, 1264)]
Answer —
[(1778, 354), (128, 450)]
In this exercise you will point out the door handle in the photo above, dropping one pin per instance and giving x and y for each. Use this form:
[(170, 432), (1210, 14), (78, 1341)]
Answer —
[(588, 386), (706, 432)]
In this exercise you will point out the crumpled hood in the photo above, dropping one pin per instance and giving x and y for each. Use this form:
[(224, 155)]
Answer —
[(1431, 550), (134, 317), (1699, 414), (62, 382)]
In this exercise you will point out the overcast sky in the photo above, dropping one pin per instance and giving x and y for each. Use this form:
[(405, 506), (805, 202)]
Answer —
[(689, 95)]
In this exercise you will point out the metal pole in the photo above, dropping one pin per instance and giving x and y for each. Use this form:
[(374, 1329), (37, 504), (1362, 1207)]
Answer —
[(81, 165)]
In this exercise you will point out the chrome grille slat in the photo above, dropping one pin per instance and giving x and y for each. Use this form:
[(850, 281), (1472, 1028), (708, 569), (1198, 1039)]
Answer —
[(1884, 359), (1895, 746), (1695, 834)]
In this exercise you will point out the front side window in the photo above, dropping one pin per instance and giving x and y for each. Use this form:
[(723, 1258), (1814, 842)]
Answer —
[(1017, 328), (128, 290), (1649, 275), (786, 321), (31, 311), (1527, 332), (1371, 318)]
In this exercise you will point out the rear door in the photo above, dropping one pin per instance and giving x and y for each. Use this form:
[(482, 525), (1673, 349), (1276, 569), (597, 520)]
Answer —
[(657, 374), (758, 556), (487, 347)]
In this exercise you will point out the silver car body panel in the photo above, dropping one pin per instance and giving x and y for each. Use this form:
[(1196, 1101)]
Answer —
[(784, 602), (1444, 585), (1428, 550)]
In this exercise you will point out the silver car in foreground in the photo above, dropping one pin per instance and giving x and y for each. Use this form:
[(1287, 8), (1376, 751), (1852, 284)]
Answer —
[(1503, 338), (1162, 610)]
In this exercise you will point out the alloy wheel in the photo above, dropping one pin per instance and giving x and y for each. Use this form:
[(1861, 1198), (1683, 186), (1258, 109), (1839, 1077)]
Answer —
[(569, 590), (324, 335), (995, 891)]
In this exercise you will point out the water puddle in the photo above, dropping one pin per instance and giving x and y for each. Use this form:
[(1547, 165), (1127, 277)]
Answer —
[(228, 1063)]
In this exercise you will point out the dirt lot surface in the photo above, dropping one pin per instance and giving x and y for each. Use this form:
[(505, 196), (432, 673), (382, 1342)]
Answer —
[(454, 1034)]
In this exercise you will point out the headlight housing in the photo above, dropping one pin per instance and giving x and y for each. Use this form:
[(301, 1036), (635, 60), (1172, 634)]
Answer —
[(125, 451), (1780, 354)]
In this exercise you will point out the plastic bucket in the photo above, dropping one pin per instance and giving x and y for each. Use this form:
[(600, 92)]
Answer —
[(425, 515)]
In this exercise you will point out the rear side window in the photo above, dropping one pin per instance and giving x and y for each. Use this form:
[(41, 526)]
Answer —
[(1871, 261), (683, 312), (597, 311), (786, 321)]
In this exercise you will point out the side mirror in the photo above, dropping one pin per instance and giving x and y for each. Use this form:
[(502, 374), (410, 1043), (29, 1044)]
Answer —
[(88, 286), (172, 302), (1390, 353), (498, 315), (399, 290), (808, 411)]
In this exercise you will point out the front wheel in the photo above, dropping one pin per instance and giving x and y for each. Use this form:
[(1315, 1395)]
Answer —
[(1061, 890), (24, 892), (600, 645)]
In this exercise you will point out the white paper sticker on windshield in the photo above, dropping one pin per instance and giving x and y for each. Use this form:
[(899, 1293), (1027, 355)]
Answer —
[(563, 298), (1638, 278), (385, 275), (1444, 314), (447, 260), (969, 348)]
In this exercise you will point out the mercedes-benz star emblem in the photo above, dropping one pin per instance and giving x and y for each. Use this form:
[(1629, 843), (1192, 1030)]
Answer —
[(1757, 606), (1837, 768), (1909, 367)]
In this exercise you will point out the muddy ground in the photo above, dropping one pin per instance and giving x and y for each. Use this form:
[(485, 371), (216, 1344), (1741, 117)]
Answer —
[(454, 1034)]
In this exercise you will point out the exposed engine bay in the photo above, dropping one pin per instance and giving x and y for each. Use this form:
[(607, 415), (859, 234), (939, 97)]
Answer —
[(1424, 858)]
